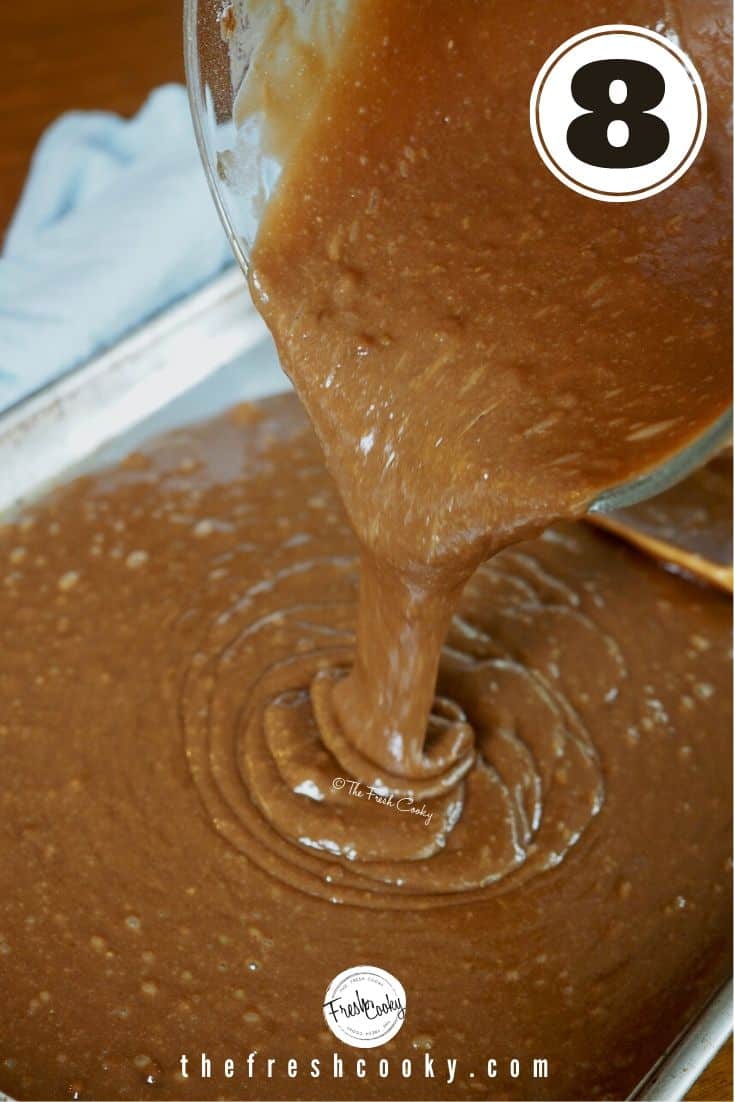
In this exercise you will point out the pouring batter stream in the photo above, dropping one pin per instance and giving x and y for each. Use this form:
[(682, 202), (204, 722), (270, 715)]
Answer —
[(481, 351)]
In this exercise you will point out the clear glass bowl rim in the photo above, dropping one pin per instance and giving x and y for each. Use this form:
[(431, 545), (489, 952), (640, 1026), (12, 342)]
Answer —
[(648, 484)]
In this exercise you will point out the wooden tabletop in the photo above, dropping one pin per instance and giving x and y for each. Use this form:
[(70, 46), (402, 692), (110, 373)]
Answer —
[(62, 54), (108, 56)]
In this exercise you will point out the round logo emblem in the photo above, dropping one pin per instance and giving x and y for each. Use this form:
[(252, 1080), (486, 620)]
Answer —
[(618, 113), (365, 1006)]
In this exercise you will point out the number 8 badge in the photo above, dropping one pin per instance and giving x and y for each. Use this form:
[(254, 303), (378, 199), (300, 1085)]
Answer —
[(618, 113)]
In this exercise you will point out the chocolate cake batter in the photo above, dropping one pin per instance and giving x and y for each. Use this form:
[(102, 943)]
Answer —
[(149, 885), (193, 680), (480, 349)]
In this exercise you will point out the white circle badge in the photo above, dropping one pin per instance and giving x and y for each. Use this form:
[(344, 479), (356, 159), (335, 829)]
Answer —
[(365, 1006), (618, 113)]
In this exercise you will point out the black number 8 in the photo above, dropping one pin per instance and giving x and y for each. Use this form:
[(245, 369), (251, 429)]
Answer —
[(648, 135)]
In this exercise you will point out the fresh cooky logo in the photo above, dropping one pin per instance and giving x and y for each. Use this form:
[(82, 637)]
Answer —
[(365, 1006), (618, 113)]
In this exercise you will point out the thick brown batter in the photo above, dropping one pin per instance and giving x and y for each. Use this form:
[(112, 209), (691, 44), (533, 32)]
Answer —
[(191, 675), (480, 349), (145, 613)]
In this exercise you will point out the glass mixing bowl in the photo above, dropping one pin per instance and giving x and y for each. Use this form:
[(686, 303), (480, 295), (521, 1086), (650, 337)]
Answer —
[(241, 177)]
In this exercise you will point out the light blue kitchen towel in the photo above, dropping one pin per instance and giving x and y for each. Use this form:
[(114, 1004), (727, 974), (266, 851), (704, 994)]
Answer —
[(115, 223)]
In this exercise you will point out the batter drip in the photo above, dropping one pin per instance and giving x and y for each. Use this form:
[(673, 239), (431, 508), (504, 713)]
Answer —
[(161, 626), (265, 754), (475, 366), (199, 659)]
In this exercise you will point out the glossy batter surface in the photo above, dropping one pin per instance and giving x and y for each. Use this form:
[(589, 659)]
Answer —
[(480, 349), (149, 612), (195, 682)]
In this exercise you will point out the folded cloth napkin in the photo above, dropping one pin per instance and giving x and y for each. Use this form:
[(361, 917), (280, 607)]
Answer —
[(114, 224)]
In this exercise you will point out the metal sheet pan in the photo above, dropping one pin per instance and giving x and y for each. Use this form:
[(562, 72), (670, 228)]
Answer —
[(194, 360)]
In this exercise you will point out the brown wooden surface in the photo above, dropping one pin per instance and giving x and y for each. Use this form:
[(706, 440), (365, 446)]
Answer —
[(715, 1083), (87, 54), (61, 54)]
